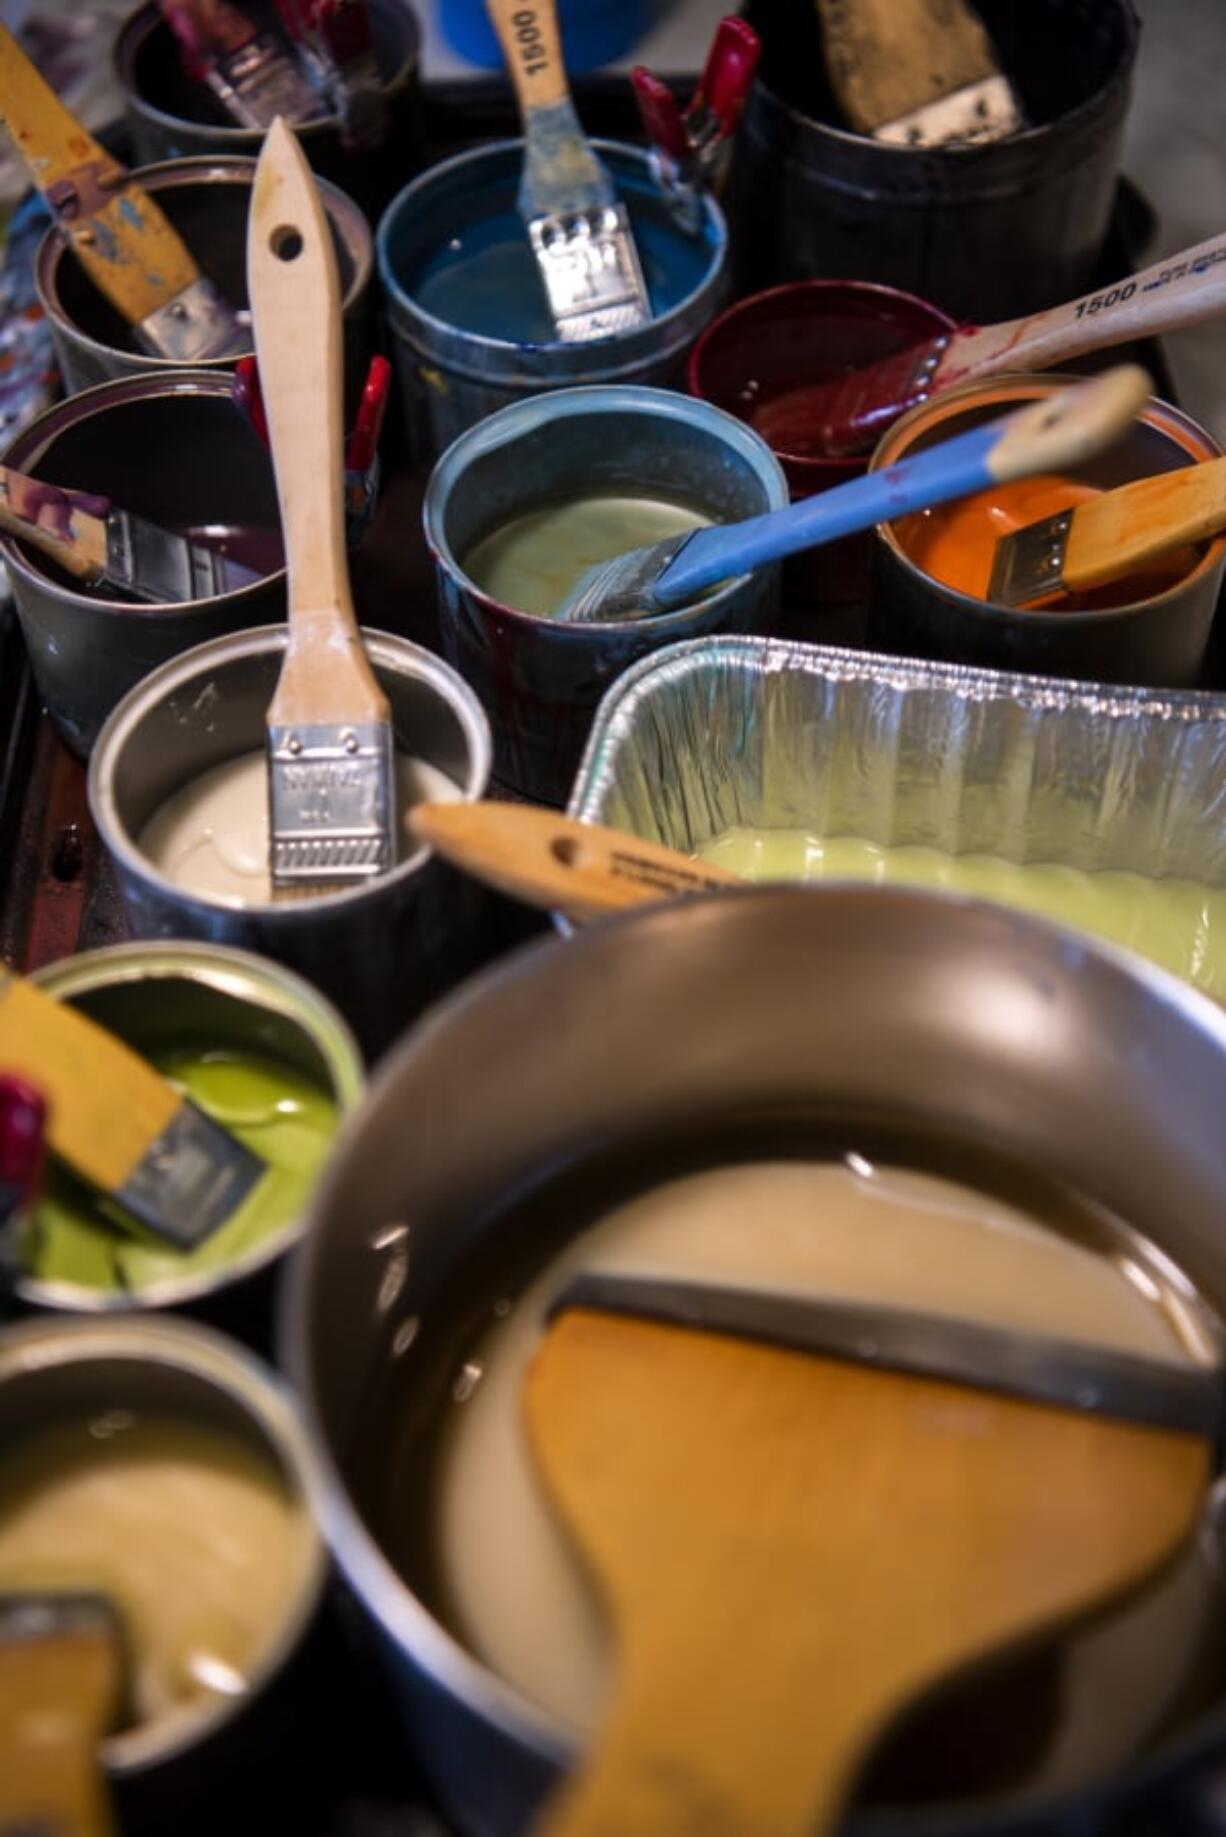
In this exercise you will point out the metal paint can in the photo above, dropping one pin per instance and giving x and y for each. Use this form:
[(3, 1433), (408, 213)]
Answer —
[(160, 995), (540, 680), (451, 378), (380, 951), (1158, 642), (946, 1017), (183, 1776), (207, 201), (173, 448), (987, 232), (171, 116), (810, 332)]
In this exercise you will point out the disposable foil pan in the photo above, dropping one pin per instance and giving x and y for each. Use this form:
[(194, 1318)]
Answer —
[(721, 731)]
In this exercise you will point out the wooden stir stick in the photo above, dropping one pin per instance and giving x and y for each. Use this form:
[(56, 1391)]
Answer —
[(794, 1547)]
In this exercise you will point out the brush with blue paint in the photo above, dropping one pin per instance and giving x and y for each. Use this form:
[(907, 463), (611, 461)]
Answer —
[(119, 235), (1063, 430), (579, 230)]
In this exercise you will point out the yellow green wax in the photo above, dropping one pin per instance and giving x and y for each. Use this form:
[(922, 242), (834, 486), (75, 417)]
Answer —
[(1179, 924), (275, 1109), (533, 561)]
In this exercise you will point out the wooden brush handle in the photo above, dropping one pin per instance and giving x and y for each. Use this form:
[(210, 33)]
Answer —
[(1183, 290), (117, 231), (532, 46), (1111, 535), (106, 1105), (296, 315), (550, 860), (73, 538), (53, 1783)]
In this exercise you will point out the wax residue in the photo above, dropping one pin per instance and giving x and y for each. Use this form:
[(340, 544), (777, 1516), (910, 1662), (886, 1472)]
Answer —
[(484, 277), (955, 542), (533, 561), (190, 1530), (1180, 924), (852, 1229), (211, 838), (272, 1107)]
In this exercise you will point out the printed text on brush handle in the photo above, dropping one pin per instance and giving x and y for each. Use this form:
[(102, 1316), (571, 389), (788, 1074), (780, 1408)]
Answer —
[(1119, 296), (530, 44)]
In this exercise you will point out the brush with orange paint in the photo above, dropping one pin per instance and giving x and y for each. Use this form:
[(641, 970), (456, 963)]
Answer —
[(1140, 532), (845, 416)]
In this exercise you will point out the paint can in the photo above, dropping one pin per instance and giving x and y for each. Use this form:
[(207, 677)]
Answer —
[(170, 116), (379, 951), (801, 333), (538, 679), (170, 995), (172, 448), (452, 376), (207, 201), (182, 1772), (1158, 642), (987, 232)]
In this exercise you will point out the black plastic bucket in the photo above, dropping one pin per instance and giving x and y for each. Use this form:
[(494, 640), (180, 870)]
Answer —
[(985, 232)]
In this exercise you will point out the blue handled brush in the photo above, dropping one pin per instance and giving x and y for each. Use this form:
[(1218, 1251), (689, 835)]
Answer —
[(1059, 431)]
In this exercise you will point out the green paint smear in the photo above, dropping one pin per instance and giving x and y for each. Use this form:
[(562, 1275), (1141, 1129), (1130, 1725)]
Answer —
[(275, 1109), (1179, 924)]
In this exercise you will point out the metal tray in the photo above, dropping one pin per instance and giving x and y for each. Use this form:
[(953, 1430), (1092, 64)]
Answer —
[(716, 732)]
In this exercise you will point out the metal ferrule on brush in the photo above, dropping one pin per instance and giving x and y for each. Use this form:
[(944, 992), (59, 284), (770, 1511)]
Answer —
[(195, 325), (191, 1179), (154, 564), (1030, 564), (624, 588), (857, 414), (330, 796)]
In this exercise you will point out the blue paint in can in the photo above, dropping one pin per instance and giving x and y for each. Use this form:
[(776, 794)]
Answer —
[(470, 326)]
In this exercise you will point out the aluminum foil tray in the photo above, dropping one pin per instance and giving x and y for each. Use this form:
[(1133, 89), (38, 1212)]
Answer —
[(723, 731)]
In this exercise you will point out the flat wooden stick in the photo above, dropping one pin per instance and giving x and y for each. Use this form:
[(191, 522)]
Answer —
[(1119, 531)]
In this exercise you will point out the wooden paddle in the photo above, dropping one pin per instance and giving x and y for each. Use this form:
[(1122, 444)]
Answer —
[(794, 1547)]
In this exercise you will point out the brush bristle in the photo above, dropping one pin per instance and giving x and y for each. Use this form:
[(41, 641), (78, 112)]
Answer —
[(839, 419)]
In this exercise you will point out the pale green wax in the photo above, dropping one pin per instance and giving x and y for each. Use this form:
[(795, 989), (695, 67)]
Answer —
[(1179, 924), (282, 1115), (533, 561)]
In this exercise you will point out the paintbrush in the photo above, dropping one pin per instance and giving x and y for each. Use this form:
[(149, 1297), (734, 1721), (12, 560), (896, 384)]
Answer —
[(63, 1673), (119, 1125), (917, 73), (1111, 535), (1062, 430), (846, 415), (330, 779), (249, 71), (120, 236), (579, 231), (105, 547), (549, 860)]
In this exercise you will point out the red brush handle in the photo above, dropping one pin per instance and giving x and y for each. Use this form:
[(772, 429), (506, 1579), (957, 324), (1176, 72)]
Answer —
[(728, 73), (206, 30), (364, 440), (245, 391), (661, 117)]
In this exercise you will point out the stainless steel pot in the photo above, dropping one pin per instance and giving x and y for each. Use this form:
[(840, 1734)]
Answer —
[(923, 1012), (380, 951), (177, 1777), (172, 448), (207, 201)]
